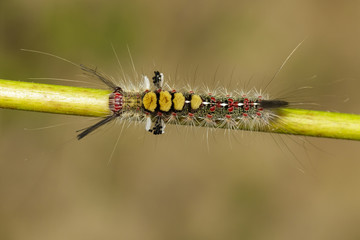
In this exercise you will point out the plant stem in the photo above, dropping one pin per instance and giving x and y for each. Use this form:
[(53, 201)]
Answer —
[(95, 102), (318, 124), (54, 98)]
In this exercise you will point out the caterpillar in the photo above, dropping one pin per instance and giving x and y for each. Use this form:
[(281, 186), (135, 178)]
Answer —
[(159, 105)]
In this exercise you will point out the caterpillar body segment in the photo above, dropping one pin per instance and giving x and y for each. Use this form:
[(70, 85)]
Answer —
[(157, 107)]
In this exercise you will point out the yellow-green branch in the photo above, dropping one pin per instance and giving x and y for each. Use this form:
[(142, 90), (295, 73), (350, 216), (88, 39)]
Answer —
[(318, 124), (54, 98), (95, 102)]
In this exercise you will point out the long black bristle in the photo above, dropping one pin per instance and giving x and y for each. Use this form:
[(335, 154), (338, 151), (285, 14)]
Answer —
[(100, 76), (96, 126), (273, 103)]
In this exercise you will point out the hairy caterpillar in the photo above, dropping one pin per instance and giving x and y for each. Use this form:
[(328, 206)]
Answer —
[(160, 106)]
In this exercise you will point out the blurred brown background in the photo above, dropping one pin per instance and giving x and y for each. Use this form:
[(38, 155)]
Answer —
[(245, 186)]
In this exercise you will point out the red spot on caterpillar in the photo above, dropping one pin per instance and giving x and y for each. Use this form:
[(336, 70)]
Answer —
[(116, 101), (191, 115), (228, 116), (212, 109), (230, 109), (173, 91), (191, 92), (218, 104), (159, 114), (174, 114), (260, 109), (245, 114), (159, 90), (236, 104), (246, 104), (209, 116), (213, 99), (259, 114)]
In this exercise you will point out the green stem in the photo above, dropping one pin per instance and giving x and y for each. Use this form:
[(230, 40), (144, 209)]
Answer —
[(54, 98), (95, 102), (318, 124)]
